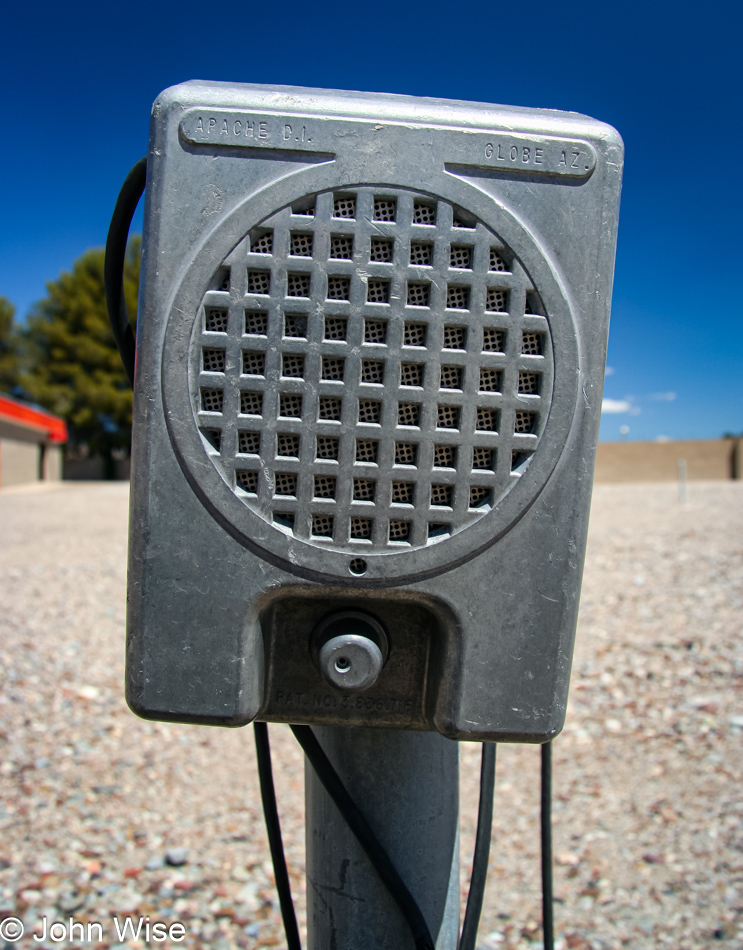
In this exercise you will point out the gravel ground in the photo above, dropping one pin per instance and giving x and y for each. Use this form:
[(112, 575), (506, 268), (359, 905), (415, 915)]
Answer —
[(102, 814)]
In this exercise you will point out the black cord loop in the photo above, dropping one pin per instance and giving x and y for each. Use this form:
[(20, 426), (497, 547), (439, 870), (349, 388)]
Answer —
[(113, 267), (273, 829), (548, 920), (481, 857)]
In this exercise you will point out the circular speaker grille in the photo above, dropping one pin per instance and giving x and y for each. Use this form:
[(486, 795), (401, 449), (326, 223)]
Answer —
[(373, 370)]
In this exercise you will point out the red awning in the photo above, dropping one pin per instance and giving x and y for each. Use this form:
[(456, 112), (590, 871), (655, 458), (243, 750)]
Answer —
[(31, 417)]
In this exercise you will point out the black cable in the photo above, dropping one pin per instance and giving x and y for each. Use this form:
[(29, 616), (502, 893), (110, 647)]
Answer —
[(273, 829), (548, 923), (365, 836), (113, 267), (482, 849)]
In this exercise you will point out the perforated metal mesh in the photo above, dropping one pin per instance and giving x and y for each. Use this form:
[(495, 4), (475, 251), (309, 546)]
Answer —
[(364, 489), (300, 244), (248, 443), (341, 246), (256, 322), (496, 261), (298, 285), (213, 361), (375, 331), (418, 294), (421, 255), (336, 328), (339, 288), (261, 242), (336, 393), (378, 291), (247, 481), (259, 281), (384, 209), (215, 321), (287, 445), (295, 324), (381, 250), (411, 374), (460, 256)]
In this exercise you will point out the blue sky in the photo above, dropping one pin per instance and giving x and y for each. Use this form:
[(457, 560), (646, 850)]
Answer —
[(79, 80)]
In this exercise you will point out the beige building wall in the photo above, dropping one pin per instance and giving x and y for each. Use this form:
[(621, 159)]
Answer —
[(19, 462), (52, 463), (706, 460)]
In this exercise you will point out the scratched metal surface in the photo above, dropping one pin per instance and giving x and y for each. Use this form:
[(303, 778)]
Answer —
[(209, 558)]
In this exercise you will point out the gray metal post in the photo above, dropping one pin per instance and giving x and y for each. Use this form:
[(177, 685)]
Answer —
[(682, 480), (407, 785)]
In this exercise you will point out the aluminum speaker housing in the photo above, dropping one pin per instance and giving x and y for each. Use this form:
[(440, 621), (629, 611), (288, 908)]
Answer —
[(370, 357)]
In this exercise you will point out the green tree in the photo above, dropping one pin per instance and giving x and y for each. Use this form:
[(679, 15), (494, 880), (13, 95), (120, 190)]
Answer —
[(9, 368), (71, 364)]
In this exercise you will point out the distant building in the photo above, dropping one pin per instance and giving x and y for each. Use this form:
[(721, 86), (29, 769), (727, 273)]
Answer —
[(702, 459), (31, 441)]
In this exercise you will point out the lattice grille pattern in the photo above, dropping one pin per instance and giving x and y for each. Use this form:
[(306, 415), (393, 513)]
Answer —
[(444, 456), (332, 368), (294, 369), (451, 377), (324, 486)]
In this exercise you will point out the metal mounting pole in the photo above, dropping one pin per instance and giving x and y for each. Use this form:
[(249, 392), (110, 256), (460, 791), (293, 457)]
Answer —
[(407, 786)]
